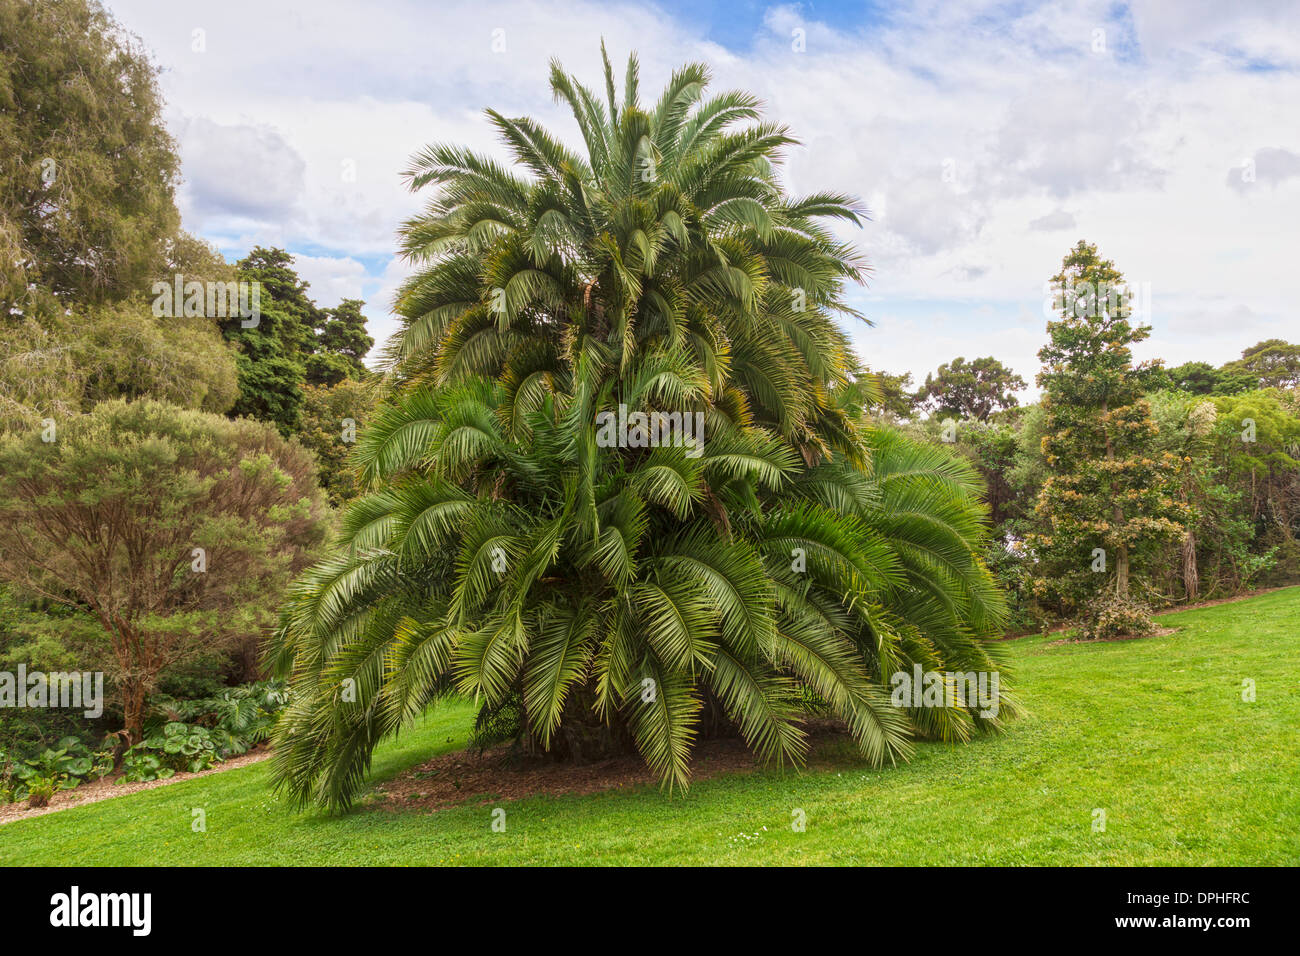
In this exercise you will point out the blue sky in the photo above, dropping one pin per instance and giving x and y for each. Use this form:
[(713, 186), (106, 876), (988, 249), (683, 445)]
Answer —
[(738, 25), (985, 137)]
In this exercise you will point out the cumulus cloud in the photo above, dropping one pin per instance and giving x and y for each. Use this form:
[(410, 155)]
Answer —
[(238, 172), (1268, 167), (1054, 221), (332, 279)]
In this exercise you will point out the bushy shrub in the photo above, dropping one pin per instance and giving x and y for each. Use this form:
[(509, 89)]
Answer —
[(69, 760), (195, 735), (40, 790), (1112, 616), (8, 783), (1013, 569), (203, 521)]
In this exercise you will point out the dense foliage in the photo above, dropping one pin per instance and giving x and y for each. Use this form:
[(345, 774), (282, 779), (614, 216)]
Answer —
[(295, 343), (1108, 494), (823, 527), (88, 229), (167, 525), (632, 593), (972, 390), (180, 736), (86, 207)]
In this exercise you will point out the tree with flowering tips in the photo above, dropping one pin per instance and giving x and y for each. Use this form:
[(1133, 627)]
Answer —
[(1109, 495)]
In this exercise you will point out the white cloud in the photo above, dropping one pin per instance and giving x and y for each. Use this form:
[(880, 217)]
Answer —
[(237, 173), (1055, 221), (332, 279), (987, 138)]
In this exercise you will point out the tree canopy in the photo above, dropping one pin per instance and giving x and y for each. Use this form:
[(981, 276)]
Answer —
[(86, 200), (971, 390)]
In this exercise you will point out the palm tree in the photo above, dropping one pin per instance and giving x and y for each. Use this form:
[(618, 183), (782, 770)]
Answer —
[(632, 596)]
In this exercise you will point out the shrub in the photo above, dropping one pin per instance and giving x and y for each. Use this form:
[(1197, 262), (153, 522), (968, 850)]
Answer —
[(140, 765), (237, 717), (183, 747), (8, 785), (40, 790), (1013, 569), (67, 764), (1113, 616)]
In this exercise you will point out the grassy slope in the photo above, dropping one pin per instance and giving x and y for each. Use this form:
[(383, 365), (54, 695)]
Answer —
[(1155, 732)]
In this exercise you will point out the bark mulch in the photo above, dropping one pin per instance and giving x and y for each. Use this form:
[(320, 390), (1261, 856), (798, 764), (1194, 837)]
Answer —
[(500, 775)]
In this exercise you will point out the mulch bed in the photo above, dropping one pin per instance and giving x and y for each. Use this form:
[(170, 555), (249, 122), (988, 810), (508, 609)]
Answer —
[(499, 775), (1158, 632)]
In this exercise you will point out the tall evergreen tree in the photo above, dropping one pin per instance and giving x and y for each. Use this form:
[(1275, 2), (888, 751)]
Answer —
[(273, 353), (1107, 494)]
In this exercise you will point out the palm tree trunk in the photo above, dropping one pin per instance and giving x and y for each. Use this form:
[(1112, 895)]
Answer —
[(583, 737)]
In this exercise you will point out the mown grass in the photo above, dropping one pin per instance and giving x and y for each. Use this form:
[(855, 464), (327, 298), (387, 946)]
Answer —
[(1153, 732)]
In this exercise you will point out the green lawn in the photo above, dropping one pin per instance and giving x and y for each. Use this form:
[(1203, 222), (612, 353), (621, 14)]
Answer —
[(1154, 732)]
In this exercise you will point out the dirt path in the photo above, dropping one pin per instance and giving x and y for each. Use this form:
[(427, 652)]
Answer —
[(107, 789)]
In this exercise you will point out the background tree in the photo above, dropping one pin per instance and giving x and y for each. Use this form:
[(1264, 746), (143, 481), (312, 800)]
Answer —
[(1257, 443), (106, 518), (297, 314), (1186, 425), (1201, 378), (1195, 378), (1273, 363), (273, 353), (61, 364), (1106, 487), (88, 224), (970, 390), (991, 447), (894, 398), (341, 342), (296, 343), (333, 418), (86, 187)]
